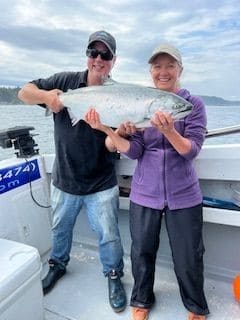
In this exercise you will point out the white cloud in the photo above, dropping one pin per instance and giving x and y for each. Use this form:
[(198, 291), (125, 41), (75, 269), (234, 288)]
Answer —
[(41, 37)]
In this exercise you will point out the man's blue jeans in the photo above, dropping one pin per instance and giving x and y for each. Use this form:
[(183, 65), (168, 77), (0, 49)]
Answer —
[(102, 211)]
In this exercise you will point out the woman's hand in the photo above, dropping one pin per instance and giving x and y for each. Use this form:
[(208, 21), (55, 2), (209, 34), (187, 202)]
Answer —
[(163, 121), (126, 129), (93, 119)]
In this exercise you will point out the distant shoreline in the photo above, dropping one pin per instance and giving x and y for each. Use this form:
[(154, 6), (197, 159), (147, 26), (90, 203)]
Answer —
[(217, 101), (8, 96), (206, 101), (227, 103)]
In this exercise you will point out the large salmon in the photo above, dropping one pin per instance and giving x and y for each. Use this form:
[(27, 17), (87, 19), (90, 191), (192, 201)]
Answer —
[(118, 102)]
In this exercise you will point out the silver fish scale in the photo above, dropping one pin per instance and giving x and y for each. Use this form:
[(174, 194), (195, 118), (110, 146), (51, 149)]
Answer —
[(117, 103)]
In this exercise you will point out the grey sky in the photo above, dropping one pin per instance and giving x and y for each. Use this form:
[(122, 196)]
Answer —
[(38, 38)]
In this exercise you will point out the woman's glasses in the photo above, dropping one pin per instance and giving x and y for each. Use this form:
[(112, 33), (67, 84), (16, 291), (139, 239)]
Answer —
[(105, 55)]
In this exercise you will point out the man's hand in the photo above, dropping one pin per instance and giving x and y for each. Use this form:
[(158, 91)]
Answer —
[(126, 129), (51, 99)]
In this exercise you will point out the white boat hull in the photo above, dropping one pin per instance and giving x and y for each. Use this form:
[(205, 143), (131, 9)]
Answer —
[(22, 220)]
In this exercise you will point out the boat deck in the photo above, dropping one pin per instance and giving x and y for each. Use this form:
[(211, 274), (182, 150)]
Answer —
[(83, 294)]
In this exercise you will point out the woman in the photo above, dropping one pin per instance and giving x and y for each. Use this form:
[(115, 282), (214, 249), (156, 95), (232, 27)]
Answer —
[(165, 181)]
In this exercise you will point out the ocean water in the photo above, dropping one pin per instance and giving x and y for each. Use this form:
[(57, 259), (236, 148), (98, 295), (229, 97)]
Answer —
[(34, 116)]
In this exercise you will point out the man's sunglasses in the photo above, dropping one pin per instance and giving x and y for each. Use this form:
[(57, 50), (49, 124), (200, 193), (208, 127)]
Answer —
[(105, 55)]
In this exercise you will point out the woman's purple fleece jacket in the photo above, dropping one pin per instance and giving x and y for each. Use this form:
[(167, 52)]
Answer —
[(162, 176)]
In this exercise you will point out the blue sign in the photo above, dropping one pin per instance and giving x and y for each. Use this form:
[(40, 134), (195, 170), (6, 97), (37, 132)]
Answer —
[(15, 176)]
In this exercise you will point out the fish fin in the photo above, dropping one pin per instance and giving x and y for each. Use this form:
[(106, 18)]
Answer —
[(48, 112), (108, 81), (142, 124), (74, 120)]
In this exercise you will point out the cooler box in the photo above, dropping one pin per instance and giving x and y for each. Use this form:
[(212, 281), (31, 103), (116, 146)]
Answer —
[(21, 296)]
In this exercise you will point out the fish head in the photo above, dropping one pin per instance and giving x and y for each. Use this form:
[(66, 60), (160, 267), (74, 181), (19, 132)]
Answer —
[(171, 103), (181, 110)]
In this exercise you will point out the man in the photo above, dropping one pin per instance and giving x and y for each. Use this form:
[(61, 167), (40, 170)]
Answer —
[(83, 172)]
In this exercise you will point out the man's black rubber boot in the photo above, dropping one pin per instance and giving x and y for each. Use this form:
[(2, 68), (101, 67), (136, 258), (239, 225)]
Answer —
[(117, 295), (55, 272)]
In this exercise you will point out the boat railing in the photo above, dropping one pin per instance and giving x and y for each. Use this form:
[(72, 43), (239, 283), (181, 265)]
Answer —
[(219, 175)]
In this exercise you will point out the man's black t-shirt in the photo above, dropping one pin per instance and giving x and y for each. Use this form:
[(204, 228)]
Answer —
[(82, 164)]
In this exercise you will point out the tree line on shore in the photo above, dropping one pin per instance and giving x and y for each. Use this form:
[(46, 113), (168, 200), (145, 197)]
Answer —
[(9, 95)]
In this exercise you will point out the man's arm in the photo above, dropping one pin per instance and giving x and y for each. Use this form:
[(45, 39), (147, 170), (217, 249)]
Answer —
[(31, 94)]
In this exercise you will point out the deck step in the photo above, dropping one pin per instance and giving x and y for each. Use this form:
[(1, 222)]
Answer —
[(82, 293)]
